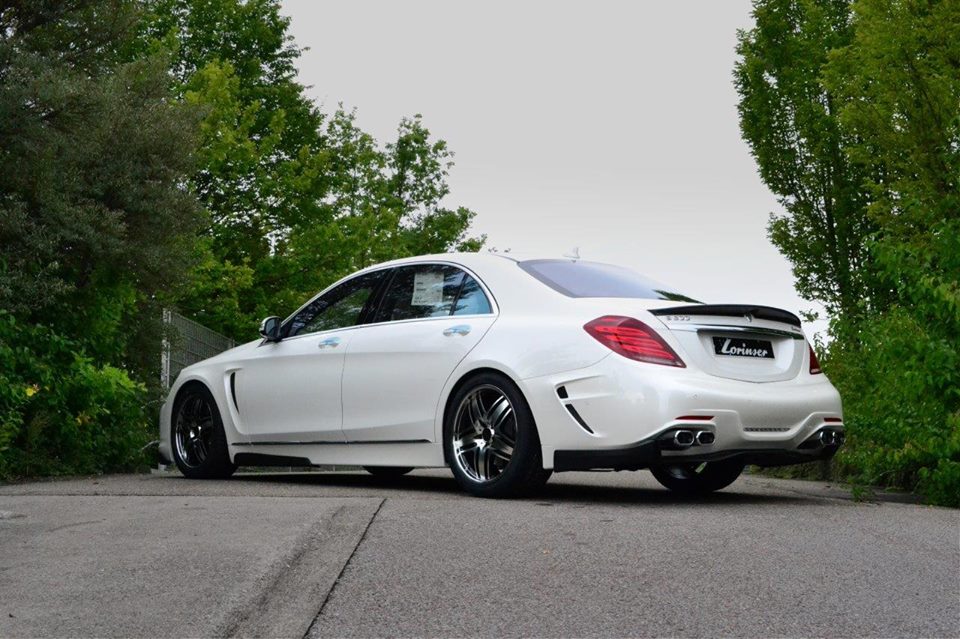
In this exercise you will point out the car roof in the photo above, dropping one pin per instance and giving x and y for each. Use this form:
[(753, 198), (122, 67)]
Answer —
[(468, 258)]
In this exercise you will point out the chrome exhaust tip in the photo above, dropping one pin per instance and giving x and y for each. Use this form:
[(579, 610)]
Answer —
[(683, 438), (828, 437), (706, 437)]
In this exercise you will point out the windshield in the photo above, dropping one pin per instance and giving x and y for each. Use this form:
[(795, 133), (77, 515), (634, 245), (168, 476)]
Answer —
[(592, 279)]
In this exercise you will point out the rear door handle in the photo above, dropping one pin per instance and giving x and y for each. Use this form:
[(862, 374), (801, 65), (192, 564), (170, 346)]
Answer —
[(459, 329), (330, 342)]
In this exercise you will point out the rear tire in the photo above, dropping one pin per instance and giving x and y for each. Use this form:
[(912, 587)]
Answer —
[(697, 479), (490, 439), (196, 435), (387, 471)]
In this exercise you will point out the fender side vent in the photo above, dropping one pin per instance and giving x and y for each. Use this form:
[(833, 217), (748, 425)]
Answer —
[(233, 391), (573, 413), (562, 392)]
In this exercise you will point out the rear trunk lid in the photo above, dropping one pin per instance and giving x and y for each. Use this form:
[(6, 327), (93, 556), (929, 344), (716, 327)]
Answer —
[(738, 341)]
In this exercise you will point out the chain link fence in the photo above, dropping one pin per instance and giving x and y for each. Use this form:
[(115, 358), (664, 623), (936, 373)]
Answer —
[(187, 342)]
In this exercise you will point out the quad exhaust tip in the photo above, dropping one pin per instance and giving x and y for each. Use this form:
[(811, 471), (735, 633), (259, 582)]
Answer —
[(684, 438), (706, 437), (824, 438)]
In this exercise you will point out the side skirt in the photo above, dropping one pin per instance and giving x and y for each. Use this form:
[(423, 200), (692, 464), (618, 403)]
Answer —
[(416, 454)]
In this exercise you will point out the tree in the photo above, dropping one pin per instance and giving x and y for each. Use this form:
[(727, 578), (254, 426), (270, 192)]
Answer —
[(96, 228), (95, 222), (296, 198), (853, 114), (790, 119), (899, 82)]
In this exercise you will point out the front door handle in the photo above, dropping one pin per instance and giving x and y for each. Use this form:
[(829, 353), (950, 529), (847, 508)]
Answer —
[(459, 329), (330, 342)]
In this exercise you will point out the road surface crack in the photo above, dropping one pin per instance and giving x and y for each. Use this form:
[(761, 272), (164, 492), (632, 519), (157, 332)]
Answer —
[(343, 570)]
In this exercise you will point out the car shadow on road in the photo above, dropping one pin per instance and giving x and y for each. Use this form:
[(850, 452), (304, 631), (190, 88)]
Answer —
[(554, 493)]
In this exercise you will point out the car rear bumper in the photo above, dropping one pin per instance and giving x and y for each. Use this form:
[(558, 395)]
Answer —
[(650, 453), (617, 409)]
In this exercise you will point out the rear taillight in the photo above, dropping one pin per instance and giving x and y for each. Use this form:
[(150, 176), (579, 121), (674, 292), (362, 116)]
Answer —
[(814, 362), (633, 339)]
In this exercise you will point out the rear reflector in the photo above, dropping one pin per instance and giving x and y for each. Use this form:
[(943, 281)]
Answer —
[(694, 418), (814, 362), (833, 420), (633, 339)]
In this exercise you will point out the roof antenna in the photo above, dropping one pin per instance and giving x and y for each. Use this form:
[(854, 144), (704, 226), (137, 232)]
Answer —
[(574, 253)]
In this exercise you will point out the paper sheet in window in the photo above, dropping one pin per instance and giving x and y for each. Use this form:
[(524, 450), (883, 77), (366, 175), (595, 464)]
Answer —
[(427, 288)]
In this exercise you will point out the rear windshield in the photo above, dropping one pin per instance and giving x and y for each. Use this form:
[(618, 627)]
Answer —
[(592, 279)]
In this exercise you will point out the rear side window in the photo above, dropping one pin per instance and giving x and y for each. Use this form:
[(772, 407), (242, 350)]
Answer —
[(592, 279), (472, 299), (431, 290), (418, 291)]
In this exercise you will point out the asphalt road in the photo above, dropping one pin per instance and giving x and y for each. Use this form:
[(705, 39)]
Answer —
[(348, 555)]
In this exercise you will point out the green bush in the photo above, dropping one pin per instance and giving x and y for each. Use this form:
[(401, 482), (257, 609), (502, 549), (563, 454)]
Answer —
[(899, 381), (61, 413)]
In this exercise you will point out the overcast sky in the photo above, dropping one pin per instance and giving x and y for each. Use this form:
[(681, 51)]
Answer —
[(611, 126)]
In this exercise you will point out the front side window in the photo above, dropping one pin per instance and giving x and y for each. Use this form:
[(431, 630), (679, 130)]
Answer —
[(575, 278), (339, 307)]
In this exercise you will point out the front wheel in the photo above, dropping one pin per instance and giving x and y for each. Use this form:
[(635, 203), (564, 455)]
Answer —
[(697, 479), (490, 439), (196, 432)]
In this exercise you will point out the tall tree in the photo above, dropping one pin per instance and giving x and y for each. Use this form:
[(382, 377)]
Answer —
[(853, 113), (297, 198), (790, 119), (899, 81), (95, 222), (259, 151)]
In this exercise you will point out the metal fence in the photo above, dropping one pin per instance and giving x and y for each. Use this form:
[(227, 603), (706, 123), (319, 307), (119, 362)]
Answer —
[(187, 342)]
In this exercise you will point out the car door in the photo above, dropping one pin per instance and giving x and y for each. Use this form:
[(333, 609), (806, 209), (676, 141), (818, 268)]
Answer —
[(429, 317), (289, 391)]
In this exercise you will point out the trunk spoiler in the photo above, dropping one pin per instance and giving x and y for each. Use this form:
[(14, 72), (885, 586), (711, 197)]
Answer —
[(732, 310)]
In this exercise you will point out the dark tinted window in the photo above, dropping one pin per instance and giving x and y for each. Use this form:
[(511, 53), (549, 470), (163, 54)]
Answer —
[(591, 279), (339, 307), (472, 300), (418, 291)]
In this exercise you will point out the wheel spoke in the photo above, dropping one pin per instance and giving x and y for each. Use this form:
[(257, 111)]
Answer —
[(476, 413), (199, 449), (468, 462), (501, 448), (499, 454), (481, 463), (507, 438), (466, 445), (499, 411)]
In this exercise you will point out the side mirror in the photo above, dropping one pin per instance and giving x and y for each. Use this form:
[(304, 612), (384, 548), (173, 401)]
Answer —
[(270, 329)]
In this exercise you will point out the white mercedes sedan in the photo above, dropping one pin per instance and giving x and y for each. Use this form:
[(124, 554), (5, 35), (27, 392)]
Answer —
[(506, 370)]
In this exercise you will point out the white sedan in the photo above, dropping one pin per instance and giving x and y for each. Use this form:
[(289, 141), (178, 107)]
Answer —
[(505, 370)]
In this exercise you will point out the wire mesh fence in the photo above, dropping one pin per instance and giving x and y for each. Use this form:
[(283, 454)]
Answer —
[(187, 342)]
